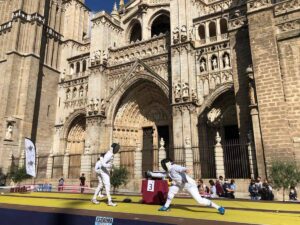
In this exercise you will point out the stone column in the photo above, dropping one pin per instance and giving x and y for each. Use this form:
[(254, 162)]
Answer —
[(219, 157), (49, 166), (138, 162), (252, 159), (207, 32), (86, 162), (161, 153), (66, 164)]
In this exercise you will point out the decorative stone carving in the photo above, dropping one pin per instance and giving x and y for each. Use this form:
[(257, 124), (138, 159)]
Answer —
[(214, 116), (103, 107), (162, 142), (9, 131), (187, 142), (183, 33), (177, 92), (185, 91), (218, 140), (176, 35)]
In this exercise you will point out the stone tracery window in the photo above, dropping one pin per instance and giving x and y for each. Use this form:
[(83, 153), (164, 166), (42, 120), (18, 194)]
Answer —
[(72, 69), (136, 33), (161, 25), (78, 67), (84, 66), (212, 29), (201, 31), (223, 26)]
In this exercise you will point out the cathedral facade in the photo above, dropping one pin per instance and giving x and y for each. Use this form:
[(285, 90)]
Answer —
[(214, 85)]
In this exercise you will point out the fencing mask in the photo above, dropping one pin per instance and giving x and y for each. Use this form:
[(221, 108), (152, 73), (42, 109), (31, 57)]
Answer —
[(115, 147), (166, 164)]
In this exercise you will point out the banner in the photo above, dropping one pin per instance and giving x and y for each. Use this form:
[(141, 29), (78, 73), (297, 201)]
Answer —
[(30, 157)]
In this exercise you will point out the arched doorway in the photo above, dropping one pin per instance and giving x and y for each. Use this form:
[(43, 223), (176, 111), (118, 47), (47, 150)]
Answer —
[(221, 117), (75, 145), (142, 118)]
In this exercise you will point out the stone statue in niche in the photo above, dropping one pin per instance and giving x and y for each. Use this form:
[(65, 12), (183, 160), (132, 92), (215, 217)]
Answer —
[(185, 91), (214, 63), (91, 106), (194, 96), (63, 75), (68, 95), (81, 92), (96, 106), (176, 35), (191, 33), (177, 92), (103, 106), (202, 65), (9, 131), (226, 61), (183, 33), (214, 116), (105, 56)]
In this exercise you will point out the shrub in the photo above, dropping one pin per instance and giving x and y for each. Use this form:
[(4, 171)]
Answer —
[(119, 176), (19, 175), (284, 174)]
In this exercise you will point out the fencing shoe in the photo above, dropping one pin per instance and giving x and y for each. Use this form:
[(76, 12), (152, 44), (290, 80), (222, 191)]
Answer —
[(163, 208), (111, 204), (221, 210), (94, 201)]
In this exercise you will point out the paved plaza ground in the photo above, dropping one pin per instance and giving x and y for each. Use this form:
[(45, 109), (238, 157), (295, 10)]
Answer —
[(183, 211)]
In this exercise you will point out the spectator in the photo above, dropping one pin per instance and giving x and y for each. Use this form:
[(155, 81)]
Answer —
[(203, 189), (266, 191), (253, 189), (61, 184), (213, 190), (82, 182), (258, 184), (219, 187), (229, 188), (293, 193)]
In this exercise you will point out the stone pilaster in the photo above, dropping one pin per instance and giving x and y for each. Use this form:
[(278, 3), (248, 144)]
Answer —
[(66, 165), (219, 157), (189, 162), (86, 162), (138, 162), (49, 166)]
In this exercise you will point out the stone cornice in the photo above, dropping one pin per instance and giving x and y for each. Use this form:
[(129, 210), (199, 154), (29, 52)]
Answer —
[(103, 17), (258, 5)]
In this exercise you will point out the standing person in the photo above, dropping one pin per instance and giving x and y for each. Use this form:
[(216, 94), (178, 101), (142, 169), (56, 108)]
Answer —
[(103, 168), (180, 181), (219, 186), (82, 182), (61, 184)]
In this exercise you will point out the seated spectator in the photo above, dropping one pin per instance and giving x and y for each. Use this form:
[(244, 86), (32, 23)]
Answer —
[(293, 193), (253, 190), (258, 184), (219, 187), (203, 189), (61, 184), (229, 188), (266, 191), (213, 190)]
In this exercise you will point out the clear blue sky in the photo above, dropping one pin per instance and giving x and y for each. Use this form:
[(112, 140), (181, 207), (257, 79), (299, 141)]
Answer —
[(97, 5)]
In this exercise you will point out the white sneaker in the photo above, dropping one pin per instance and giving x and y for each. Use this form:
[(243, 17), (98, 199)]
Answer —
[(111, 204), (101, 195), (94, 201)]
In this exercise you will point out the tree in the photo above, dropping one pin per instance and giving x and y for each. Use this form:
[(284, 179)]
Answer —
[(18, 175), (119, 176), (284, 174)]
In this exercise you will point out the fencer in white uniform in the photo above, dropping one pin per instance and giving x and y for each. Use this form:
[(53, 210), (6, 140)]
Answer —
[(182, 181), (103, 168)]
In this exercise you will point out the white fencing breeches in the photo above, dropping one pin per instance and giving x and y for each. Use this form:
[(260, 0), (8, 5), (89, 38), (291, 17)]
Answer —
[(192, 189), (104, 179)]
